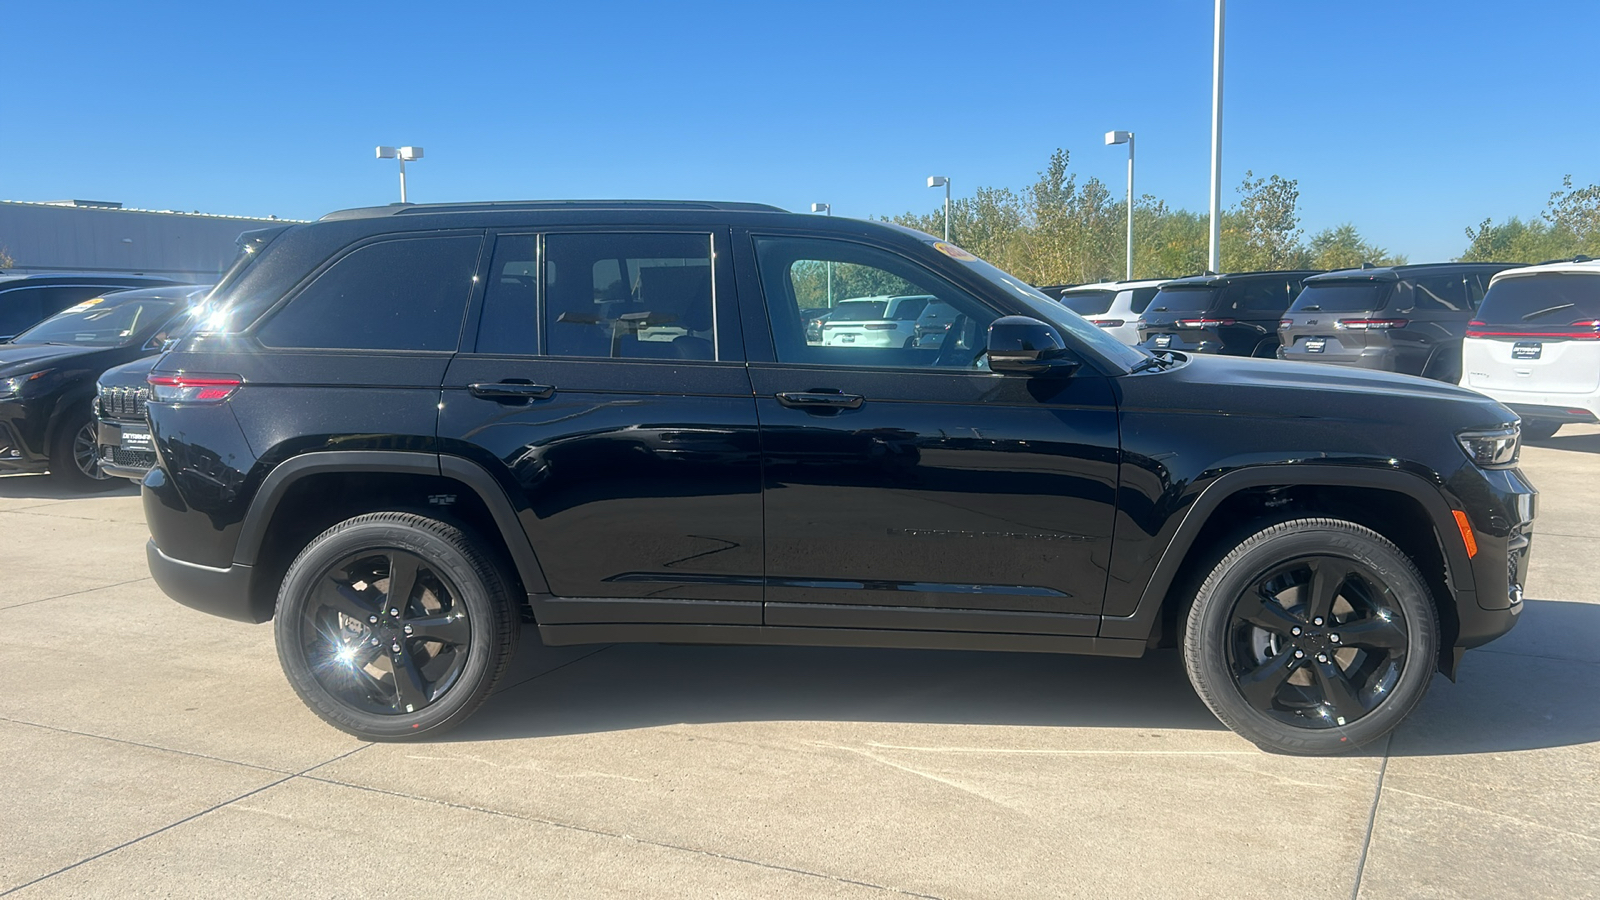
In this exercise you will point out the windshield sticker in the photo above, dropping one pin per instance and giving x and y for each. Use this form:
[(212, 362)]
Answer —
[(84, 305), (954, 252)]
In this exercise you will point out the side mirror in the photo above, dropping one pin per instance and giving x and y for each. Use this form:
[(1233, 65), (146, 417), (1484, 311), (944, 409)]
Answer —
[(1019, 345)]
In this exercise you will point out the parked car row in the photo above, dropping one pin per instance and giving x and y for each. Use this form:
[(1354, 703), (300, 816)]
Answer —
[(48, 373)]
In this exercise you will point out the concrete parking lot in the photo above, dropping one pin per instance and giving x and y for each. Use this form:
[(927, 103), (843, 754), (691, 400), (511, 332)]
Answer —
[(148, 750)]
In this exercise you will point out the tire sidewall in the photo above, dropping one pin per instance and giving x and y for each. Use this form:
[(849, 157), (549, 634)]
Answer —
[(484, 603), (1205, 640), (63, 460)]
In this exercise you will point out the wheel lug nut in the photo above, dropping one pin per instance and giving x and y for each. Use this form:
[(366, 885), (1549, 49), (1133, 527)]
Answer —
[(1299, 653), (396, 647), (396, 612), (372, 619), (374, 642), (1322, 657), (408, 629), (1295, 630), (1317, 621), (1334, 638)]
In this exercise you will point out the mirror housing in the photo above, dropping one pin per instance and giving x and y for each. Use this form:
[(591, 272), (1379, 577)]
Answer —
[(1021, 345)]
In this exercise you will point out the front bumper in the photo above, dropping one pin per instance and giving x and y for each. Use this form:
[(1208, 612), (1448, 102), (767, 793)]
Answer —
[(15, 455), (1500, 514), (220, 592), (119, 460)]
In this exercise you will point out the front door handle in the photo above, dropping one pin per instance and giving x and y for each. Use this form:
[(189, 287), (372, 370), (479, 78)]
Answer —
[(511, 390), (819, 400)]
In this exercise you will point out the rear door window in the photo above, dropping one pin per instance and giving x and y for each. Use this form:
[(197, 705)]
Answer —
[(401, 294), (629, 296)]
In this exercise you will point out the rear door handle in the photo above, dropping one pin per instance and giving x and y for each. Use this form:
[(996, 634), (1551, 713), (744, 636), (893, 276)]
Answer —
[(511, 390), (819, 400)]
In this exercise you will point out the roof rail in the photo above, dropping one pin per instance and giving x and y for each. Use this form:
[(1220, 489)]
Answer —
[(412, 209)]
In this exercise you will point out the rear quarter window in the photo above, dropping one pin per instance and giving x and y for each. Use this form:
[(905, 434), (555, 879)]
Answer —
[(399, 294)]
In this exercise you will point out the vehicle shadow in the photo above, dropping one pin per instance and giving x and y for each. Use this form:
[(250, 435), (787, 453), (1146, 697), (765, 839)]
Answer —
[(43, 487), (1581, 442), (1520, 696)]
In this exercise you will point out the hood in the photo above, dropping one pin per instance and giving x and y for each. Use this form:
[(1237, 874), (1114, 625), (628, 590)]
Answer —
[(129, 374), (1281, 389), (20, 359)]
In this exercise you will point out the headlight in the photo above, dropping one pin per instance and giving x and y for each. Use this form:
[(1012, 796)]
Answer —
[(1496, 449), (11, 387)]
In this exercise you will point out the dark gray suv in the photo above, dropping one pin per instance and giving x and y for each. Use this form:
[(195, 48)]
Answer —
[(1406, 319)]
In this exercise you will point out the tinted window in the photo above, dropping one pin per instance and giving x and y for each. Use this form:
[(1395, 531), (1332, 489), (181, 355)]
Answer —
[(629, 296), (510, 319), (1342, 296), (1088, 303), (879, 300), (1184, 299), (1441, 293), (1142, 298), (1261, 296), (105, 321), (406, 294), (1546, 299)]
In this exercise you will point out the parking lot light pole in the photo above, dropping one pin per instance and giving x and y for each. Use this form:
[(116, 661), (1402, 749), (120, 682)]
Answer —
[(1215, 263), (941, 181), (1126, 137), (827, 210), (404, 154)]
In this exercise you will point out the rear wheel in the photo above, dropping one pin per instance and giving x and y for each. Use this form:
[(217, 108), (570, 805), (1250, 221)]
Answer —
[(392, 626), (75, 454), (1313, 636), (1539, 429)]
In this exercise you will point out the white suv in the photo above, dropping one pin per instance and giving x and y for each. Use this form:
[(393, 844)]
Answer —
[(1113, 305), (874, 321), (1535, 344)]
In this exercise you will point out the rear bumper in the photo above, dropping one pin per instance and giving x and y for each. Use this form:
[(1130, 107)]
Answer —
[(1576, 414), (1545, 405), (220, 592), (1382, 359)]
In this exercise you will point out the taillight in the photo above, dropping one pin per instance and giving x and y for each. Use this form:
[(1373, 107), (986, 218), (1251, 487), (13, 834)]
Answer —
[(1204, 323), (1581, 330), (1285, 323), (185, 388), (1107, 323), (1373, 324)]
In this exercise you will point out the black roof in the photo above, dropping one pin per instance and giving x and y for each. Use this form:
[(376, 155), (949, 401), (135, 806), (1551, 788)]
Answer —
[(1395, 273), (403, 209), (1230, 277), (90, 278)]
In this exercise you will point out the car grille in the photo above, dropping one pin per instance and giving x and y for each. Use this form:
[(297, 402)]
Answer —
[(124, 402), (132, 459)]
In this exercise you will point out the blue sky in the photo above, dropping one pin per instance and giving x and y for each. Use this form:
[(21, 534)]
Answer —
[(1410, 119)]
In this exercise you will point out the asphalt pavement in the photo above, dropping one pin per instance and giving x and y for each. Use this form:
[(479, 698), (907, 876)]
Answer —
[(150, 750)]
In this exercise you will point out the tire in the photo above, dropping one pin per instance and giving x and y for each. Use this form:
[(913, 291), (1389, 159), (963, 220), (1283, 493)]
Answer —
[(1365, 658), (75, 454), (342, 641), (1539, 429)]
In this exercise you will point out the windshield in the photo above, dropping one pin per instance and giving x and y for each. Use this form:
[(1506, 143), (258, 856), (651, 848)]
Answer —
[(1348, 296), (1045, 309), (1183, 299), (1088, 303), (1550, 298), (858, 311), (115, 320)]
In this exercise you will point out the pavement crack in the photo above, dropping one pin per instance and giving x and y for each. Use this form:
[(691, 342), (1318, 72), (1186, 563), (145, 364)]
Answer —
[(598, 832), (74, 593), (126, 742), (184, 820), (1372, 819)]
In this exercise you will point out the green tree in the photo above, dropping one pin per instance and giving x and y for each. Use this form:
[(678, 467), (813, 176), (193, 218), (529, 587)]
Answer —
[(1263, 230), (1516, 241), (1343, 248)]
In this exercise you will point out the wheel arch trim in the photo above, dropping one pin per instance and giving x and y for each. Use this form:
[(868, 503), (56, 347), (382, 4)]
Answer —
[(1458, 567), (252, 532)]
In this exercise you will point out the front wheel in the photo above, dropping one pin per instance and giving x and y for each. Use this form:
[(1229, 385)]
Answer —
[(1313, 636), (393, 626), (75, 454)]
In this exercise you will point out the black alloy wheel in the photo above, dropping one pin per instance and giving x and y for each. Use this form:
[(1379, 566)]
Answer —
[(75, 455), (392, 626), (1312, 636)]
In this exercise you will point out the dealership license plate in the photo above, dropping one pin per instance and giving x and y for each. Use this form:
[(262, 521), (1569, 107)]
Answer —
[(847, 339), (1316, 345), (1163, 340), (135, 437), (1526, 350)]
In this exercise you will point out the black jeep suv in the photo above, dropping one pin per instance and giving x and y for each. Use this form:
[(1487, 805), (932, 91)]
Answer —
[(1232, 315), (1407, 319), (407, 428)]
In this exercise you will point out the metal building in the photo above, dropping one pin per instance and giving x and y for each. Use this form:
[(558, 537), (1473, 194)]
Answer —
[(96, 236)]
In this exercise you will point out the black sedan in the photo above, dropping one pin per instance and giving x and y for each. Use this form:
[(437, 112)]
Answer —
[(48, 373)]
